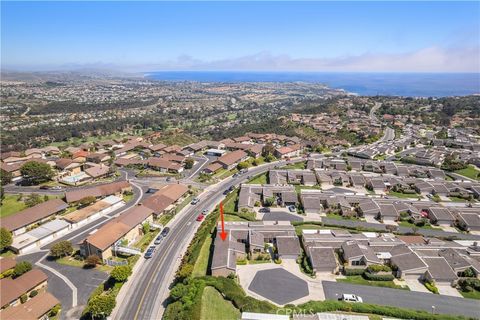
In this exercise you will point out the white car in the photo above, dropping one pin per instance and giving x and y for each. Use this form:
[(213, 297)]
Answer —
[(351, 298)]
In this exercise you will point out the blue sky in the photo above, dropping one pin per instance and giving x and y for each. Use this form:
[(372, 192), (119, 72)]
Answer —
[(307, 36)]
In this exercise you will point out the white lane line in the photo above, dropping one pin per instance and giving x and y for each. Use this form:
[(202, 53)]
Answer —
[(61, 276), (199, 168)]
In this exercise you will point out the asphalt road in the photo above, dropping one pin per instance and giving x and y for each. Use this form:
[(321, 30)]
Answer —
[(145, 298), (405, 299)]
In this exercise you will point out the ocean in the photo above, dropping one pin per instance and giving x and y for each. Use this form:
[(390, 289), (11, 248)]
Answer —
[(367, 84)]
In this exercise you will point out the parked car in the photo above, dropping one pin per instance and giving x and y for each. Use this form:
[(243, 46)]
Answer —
[(292, 208), (200, 217), (351, 298), (149, 252), (195, 201), (158, 240), (264, 209), (165, 232)]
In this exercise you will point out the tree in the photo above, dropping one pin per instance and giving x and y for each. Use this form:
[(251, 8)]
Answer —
[(268, 149), (269, 201), (189, 163), (101, 305), (32, 200), (121, 273), (87, 201), (6, 177), (36, 172), (5, 238), (61, 249), (270, 158), (21, 268), (146, 227), (91, 261), (242, 165)]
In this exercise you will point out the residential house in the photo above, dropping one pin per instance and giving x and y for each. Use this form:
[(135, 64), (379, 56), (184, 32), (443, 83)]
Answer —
[(21, 221), (127, 226)]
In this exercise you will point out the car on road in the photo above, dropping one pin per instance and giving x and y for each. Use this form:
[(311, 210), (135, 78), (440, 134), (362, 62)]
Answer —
[(292, 208), (195, 201), (350, 298), (235, 175), (56, 188), (200, 217), (165, 232), (264, 210), (204, 212), (149, 252), (44, 188), (158, 240)]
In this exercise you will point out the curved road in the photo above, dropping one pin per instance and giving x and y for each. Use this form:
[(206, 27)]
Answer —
[(145, 294)]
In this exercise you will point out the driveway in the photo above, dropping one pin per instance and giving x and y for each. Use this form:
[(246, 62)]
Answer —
[(405, 299), (448, 290), (415, 285), (279, 286)]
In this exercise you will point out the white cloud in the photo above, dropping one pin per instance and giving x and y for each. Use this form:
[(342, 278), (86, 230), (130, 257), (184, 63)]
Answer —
[(432, 59)]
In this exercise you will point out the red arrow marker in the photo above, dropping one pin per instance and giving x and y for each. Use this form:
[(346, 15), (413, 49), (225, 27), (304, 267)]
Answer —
[(223, 234)]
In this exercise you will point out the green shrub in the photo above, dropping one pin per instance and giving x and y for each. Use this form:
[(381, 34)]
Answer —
[(23, 298), (121, 273), (54, 310), (278, 261), (21, 268), (378, 277), (374, 268), (33, 293), (353, 271), (431, 287)]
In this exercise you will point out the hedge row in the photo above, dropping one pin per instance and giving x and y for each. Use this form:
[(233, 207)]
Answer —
[(388, 311), (354, 271), (378, 277)]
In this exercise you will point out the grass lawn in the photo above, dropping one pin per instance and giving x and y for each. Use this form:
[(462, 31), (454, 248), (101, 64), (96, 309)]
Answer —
[(128, 197), (8, 254), (297, 165), (164, 219), (402, 195), (299, 187), (470, 295), (201, 265), (184, 203), (469, 172), (146, 239), (215, 307), (362, 281), (70, 261), (411, 225), (232, 217), (230, 202), (457, 199), (11, 205), (260, 179)]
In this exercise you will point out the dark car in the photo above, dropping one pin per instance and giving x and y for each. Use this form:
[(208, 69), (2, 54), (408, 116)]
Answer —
[(149, 252), (165, 232), (264, 209), (226, 192), (45, 188)]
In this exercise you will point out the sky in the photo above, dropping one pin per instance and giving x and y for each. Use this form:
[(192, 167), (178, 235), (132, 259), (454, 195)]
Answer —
[(263, 36)]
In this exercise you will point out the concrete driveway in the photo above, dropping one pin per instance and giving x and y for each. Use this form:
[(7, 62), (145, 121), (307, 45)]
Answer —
[(448, 290), (415, 285)]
